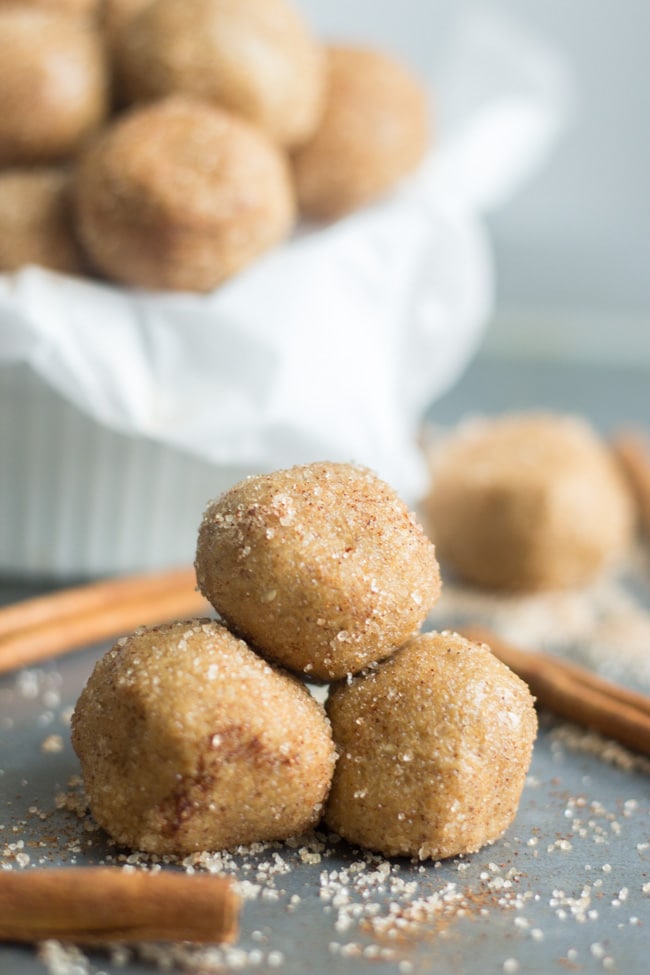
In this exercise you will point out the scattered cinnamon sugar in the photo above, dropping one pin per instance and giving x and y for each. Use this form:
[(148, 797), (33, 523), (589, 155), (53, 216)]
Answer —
[(375, 910), (378, 910)]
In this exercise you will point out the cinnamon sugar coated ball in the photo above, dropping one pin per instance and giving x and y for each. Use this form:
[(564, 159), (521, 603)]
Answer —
[(321, 567), (254, 57), (36, 221), (528, 501), (180, 195), (188, 741), (433, 750), (53, 84), (374, 131)]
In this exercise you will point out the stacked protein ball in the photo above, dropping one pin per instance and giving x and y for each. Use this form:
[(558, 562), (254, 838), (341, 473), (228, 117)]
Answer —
[(167, 144), (194, 735)]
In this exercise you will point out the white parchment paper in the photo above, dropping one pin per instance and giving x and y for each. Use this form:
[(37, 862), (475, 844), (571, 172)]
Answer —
[(332, 346)]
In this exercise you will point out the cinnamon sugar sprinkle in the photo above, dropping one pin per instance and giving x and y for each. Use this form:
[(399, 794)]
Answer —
[(372, 909), (573, 870)]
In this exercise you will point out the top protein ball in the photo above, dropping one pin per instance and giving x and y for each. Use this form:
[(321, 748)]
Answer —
[(528, 501), (254, 57), (321, 567)]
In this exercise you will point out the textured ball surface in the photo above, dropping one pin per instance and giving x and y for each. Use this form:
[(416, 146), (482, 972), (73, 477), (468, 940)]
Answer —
[(189, 741), (433, 750), (321, 567)]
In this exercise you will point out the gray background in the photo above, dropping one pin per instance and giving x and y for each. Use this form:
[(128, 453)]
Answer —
[(575, 242)]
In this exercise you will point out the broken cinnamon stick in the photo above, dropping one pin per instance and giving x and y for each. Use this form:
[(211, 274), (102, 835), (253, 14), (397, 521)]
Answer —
[(632, 450), (101, 905), (39, 628), (575, 692)]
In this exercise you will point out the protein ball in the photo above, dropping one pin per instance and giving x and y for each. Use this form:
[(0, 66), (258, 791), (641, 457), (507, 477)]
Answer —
[(181, 195), (254, 57), (321, 567), (53, 85), (433, 750), (189, 741), (36, 221), (528, 501), (374, 131)]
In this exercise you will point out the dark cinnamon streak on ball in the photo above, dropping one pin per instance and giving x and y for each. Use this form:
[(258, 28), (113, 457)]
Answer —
[(189, 741)]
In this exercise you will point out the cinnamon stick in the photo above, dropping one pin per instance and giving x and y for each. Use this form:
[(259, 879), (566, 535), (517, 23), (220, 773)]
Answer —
[(575, 692), (39, 628), (632, 450), (91, 596), (100, 905)]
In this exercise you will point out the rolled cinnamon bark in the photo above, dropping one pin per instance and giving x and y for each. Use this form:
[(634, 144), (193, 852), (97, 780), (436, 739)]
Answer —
[(98, 905)]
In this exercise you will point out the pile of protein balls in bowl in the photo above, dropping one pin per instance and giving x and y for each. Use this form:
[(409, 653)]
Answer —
[(203, 735), (165, 144)]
